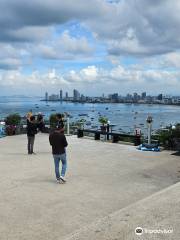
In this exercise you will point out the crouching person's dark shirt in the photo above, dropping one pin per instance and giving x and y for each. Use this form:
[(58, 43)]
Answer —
[(58, 142)]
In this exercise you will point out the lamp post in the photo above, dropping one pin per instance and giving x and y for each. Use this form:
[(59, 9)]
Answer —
[(67, 122), (149, 121), (107, 129)]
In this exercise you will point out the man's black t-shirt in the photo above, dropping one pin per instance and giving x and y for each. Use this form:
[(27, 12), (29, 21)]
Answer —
[(58, 142)]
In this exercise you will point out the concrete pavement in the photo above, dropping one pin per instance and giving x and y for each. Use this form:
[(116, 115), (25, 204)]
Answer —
[(103, 179), (157, 215)]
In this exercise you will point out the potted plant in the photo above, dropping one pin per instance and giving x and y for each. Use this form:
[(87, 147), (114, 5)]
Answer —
[(104, 121), (12, 123), (80, 125)]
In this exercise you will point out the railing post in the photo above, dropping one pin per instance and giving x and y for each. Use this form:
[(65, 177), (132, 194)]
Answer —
[(115, 138), (67, 125), (97, 136), (80, 133)]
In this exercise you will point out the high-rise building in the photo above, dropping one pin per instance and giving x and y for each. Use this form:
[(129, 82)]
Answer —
[(61, 95), (160, 97), (54, 97), (115, 97), (135, 97), (76, 95), (83, 98), (66, 95), (46, 96), (143, 95), (129, 97)]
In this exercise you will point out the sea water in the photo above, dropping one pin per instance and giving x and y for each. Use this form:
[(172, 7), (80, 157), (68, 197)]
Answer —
[(124, 117)]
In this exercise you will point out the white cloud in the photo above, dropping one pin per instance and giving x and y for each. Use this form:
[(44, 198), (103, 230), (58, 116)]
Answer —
[(172, 59), (90, 73), (118, 79), (29, 33), (10, 63), (65, 47), (128, 27), (38, 31), (139, 28), (17, 15), (84, 76)]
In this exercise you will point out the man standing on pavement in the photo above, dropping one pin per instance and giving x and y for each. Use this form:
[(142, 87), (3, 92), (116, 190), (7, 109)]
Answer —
[(58, 142), (31, 132)]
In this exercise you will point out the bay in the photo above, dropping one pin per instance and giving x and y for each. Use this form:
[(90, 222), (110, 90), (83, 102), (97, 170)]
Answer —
[(125, 117)]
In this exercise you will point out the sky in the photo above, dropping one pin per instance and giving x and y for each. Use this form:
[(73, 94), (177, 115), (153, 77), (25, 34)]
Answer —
[(96, 46)]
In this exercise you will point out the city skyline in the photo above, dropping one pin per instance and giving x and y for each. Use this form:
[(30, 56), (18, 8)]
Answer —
[(139, 98), (97, 46)]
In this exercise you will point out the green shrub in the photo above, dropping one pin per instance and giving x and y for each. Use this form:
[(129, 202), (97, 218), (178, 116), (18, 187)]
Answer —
[(13, 119), (53, 120), (164, 136), (167, 136), (80, 123), (103, 120), (176, 132)]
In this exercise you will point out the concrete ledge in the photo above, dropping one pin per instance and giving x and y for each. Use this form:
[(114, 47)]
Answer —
[(161, 211)]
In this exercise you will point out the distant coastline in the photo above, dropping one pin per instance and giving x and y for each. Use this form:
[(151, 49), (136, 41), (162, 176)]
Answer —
[(110, 102), (124, 115)]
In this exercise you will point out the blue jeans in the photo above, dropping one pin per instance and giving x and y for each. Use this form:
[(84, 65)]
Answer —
[(57, 159)]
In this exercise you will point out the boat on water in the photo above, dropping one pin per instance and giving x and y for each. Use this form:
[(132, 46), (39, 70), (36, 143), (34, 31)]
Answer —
[(83, 115), (94, 126)]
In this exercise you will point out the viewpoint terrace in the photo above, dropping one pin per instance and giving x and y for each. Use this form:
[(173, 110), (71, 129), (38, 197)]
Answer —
[(111, 189)]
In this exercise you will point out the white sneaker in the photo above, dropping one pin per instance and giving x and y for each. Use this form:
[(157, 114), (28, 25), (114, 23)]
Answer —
[(62, 179)]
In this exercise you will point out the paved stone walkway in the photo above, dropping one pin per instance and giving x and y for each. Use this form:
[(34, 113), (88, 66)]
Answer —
[(103, 179)]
